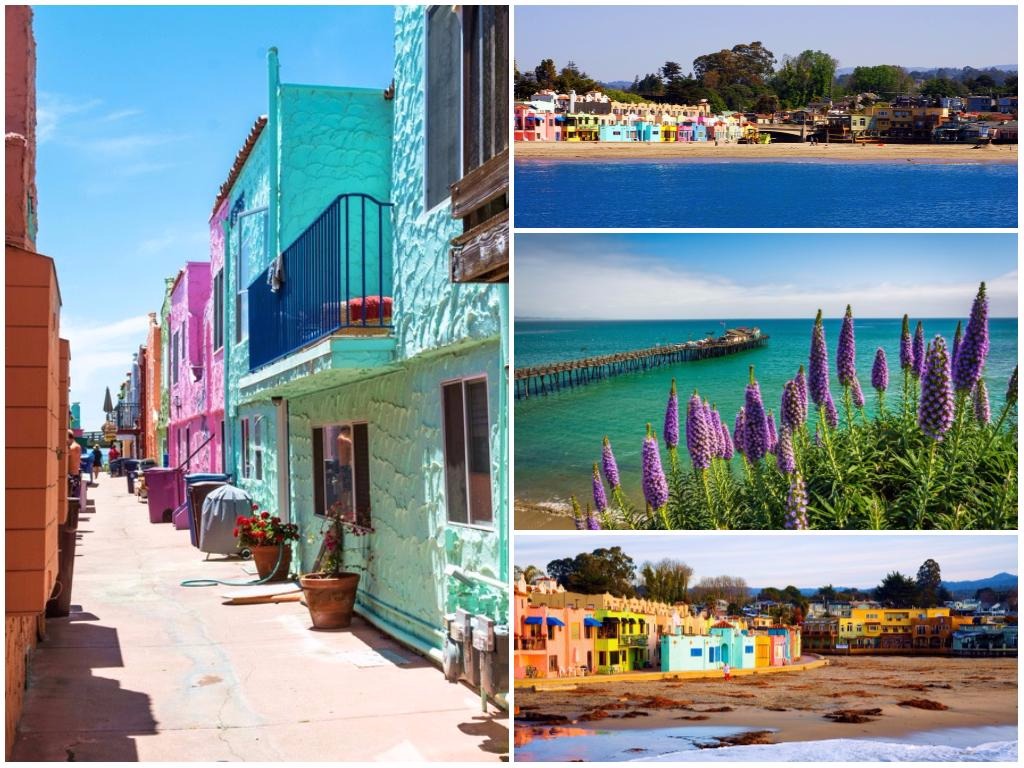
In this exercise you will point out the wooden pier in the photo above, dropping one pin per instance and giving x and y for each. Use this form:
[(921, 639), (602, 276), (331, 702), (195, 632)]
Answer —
[(554, 377)]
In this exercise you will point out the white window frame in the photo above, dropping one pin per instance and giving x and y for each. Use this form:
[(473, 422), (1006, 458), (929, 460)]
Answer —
[(256, 447), (243, 442), (464, 380)]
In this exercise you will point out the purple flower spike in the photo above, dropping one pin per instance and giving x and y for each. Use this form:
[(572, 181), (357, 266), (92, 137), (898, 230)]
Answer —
[(784, 458), (974, 350), (982, 410), (1011, 388), (796, 504), (672, 418), (793, 412), (709, 417), (906, 347), (608, 464), (600, 499), (801, 385), (654, 482), (857, 393), (846, 351), (935, 412), (725, 439), (818, 380), (773, 435), (918, 367), (958, 336), (739, 431), (593, 524), (699, 440), (880, 371), (831, 414), (756, 439)]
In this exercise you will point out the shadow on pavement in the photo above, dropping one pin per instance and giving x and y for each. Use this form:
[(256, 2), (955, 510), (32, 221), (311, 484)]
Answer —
[(494, 728), (71, 714)]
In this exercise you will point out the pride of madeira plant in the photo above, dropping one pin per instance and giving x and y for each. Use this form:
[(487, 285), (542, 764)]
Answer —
[(937, 459)]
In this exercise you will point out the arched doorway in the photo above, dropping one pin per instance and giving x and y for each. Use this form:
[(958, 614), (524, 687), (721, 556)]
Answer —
[(725, 653)]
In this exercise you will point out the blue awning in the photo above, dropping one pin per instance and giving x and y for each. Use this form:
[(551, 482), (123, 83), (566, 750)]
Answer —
[(553, 622), (591, 622), (534, 620)]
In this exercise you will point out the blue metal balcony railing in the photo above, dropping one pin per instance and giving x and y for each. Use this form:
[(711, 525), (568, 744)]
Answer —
[(337, 276)]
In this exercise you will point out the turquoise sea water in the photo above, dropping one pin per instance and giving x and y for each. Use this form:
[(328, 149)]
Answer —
[(745, 193), (558, 437)]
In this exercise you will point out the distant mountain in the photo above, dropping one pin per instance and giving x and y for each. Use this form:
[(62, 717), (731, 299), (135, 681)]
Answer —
[(619, 85), (999, 581), (1004, 67)]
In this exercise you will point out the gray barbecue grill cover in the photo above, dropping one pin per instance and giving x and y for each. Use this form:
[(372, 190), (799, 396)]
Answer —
[(217, 524)]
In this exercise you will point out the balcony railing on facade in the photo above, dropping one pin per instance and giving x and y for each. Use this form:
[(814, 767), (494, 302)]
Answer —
[(334, 278), (531, 644), (633, 641), (126, 415)]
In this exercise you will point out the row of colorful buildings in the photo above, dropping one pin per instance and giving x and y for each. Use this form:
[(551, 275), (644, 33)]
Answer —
[(567, 634), (341, 347), (865, 630)]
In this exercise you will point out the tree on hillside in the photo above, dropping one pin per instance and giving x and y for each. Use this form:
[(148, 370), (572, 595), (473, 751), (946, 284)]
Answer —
[(545, 74), (929, 584), (571, 78), (738, 74), (529, 573), (524, 84), (804, 78), (827, 594), (597, 572), (732, 589), (887, 80), (939, 87), (896, 591), (667, 581)]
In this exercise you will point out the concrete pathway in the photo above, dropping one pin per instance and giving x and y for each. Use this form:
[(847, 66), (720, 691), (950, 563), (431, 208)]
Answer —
[(145, 669)]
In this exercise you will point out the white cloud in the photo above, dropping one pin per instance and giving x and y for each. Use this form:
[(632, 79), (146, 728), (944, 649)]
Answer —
[(52, 110), (191, 241), (101, 352), (628, 287)]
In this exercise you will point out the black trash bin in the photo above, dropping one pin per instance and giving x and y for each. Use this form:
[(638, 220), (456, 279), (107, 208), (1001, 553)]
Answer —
[(130, 467)]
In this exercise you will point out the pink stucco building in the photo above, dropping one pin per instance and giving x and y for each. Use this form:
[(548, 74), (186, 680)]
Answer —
[(191, 428)]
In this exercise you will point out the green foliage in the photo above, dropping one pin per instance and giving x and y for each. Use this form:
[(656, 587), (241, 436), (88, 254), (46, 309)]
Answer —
[(603, 570), (887, 80), (938, 87), (897, 591), (667, 581), (622, 96), (869, 473), (804, 78)]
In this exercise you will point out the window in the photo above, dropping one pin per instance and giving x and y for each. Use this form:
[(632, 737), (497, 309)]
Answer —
[(188, 444), (218, 310), (257, 447), (614, 657), (252, 247), (602, 658), (341, 472), (467, 452), (444, 76), (245, 447), (574, 631), (174, 357), (551, 632), (485, 77), (696, 652), (552, 663)]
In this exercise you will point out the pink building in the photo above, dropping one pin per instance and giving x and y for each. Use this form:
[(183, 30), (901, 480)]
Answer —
[(191, 432), (552, 642), (213, 335)]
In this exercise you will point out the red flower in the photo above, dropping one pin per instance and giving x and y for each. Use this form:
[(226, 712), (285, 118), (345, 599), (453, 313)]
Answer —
[(255, 506), (265, 515), (260, 535), (276, 519), (235, 533)]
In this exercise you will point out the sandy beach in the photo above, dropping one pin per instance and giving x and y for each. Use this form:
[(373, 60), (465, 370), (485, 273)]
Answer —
[(915, 153), (543, 516), (891, 696)]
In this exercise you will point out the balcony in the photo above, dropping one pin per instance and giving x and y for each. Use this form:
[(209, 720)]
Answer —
[(336, 280), (480, 200), (531, 644), (126, 416), (633, 641)]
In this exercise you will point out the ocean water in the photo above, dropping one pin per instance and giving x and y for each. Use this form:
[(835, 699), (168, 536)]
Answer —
[(680, 744), (558, 437), (744, 193)]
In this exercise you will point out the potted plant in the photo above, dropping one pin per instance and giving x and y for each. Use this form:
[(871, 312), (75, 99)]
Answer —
[(268, 539), (330, 592)]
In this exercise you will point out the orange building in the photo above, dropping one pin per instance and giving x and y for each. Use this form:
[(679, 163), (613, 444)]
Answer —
[(36, 371)]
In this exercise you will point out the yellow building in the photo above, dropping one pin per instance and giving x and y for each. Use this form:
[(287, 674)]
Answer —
[(762, 651), (884, 627)]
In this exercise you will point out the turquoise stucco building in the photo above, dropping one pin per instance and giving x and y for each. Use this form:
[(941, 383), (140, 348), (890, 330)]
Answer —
[(361, 379)]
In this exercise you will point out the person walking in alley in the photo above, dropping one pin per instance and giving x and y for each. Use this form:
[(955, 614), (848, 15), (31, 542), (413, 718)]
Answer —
[(726, 672), (74, 459), (97, 462)]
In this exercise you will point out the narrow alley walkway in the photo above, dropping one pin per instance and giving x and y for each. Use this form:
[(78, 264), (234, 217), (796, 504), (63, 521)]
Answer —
[(145, 669)]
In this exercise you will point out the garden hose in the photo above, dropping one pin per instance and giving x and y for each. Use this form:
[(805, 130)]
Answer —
[(257, 582)]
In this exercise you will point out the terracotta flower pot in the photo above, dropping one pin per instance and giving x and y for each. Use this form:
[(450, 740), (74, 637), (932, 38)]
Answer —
[(265, 558), (330, 599)]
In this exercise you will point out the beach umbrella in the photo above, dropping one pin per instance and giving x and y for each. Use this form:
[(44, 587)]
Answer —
[(108, 406)]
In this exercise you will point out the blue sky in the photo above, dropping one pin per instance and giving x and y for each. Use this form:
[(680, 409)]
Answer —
[(851, 560), (664, 276), (140, 114), (620, 41)]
